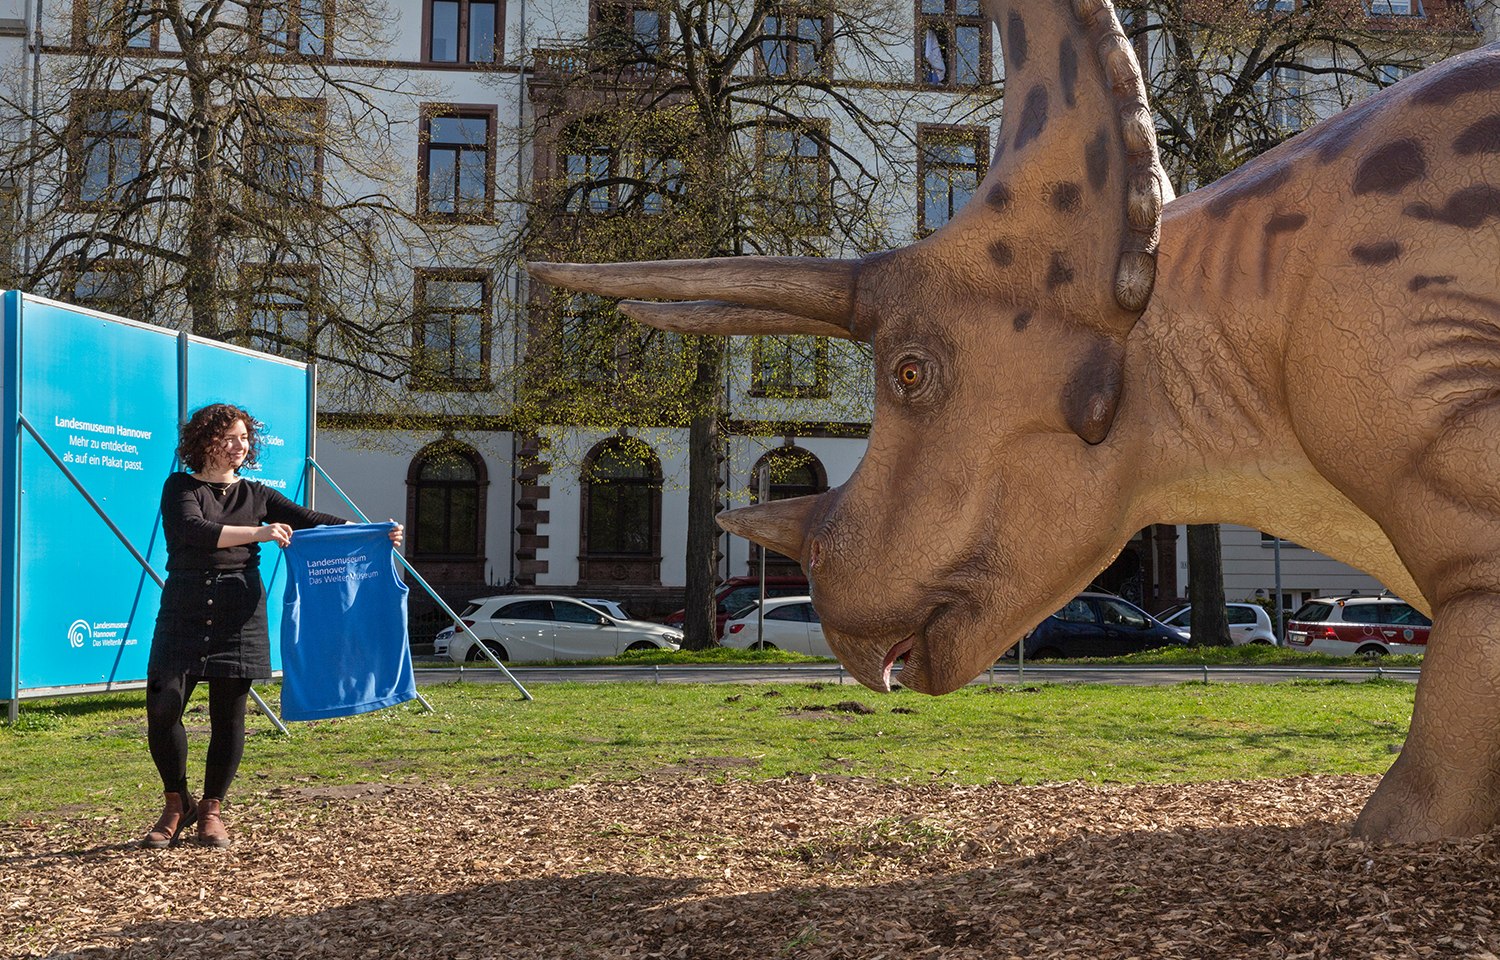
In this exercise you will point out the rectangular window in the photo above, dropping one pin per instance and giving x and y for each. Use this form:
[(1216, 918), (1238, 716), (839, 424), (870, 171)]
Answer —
[(794, 169), (795, 41), (1395, 8), (660, 183), (456, 176), (278, 302), (953, 43), (286, 156), (1388, 73), (1285, 97), (585, 351), (789, 367), (113, 286), (463, 31), (116, 23), (950, 164), (107, 145), (297, 28), (588, 166), (634, 29), (451, 339)]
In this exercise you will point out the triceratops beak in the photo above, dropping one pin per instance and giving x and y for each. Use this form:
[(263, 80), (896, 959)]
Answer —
[(780, 525)]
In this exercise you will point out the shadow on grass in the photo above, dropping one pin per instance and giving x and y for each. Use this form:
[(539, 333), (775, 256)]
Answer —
[(1187, 893)]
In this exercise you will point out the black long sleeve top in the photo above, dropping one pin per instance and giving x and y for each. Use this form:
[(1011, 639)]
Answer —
[(194, 513)]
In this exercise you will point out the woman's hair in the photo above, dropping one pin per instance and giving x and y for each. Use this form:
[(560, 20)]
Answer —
[(206, 426)]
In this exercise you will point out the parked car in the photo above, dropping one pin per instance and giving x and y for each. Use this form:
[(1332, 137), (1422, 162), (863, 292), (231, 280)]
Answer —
[(1248, 623), (527, 628), (1097, 625), (1362, 626), (791, 623), (737, 593)]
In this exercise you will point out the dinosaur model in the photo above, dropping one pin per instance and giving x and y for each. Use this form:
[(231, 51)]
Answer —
[(1310, 346)]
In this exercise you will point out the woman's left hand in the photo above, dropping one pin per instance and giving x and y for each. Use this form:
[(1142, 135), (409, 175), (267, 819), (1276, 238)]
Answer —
[(398, 533)]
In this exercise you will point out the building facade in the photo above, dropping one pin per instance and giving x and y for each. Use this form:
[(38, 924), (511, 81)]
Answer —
[(430, 137)]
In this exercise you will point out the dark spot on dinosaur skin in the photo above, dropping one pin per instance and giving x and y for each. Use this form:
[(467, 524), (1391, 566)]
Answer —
[(1096, 159), (1481, 137), (1390, 168), (1277, 225), (999, 196), (1478, 75), (1252, 180), (1067, 70), (1337, 134), (1375, 254), (1015, 42), (1066, 197), (1468, 208), (1022, 320), (1059, 271), (1286, 222), (1033, 116), (1420, 282), (1001, 254)]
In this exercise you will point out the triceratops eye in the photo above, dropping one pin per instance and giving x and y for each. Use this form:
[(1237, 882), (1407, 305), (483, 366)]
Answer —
[(910, 374)]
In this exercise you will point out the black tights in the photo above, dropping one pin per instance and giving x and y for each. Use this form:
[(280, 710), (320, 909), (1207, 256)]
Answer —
[(166, 698)]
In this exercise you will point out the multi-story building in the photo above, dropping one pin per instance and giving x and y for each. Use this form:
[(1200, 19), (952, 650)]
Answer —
[(432, 135)]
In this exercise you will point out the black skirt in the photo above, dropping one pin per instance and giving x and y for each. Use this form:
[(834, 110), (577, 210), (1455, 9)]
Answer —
[(212, 623)]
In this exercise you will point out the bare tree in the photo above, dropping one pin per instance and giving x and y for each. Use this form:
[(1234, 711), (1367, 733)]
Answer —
[(222, 168)]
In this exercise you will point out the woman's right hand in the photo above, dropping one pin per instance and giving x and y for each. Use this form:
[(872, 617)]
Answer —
[(279, 532)]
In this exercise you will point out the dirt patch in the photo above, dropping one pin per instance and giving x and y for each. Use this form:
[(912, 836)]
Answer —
[(807, 868)]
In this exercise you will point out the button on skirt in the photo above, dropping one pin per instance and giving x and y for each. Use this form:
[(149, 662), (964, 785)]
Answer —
[(212, 623)]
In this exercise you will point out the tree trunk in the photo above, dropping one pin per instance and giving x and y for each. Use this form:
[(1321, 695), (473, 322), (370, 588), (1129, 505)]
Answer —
[(1209, 623), (700, 625)]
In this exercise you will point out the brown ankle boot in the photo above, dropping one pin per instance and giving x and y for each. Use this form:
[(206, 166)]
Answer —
[(178, 812), (211, 829)]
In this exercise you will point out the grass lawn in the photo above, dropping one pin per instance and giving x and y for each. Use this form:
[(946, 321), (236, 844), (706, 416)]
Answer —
[(88, 755)]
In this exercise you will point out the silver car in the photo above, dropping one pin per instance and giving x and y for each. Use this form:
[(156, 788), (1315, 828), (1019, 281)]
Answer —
[(1248, 623), (535, 628)]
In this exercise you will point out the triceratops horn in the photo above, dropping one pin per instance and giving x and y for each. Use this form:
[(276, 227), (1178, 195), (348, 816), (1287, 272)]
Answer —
[(780, 525), (812, 287)]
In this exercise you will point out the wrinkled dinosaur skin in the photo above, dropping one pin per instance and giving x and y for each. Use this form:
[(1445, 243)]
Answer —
[(1310, 346)]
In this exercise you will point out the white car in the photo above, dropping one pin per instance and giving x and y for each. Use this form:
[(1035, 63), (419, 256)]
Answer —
[(791, 623), (531, 628), (1248, 623)]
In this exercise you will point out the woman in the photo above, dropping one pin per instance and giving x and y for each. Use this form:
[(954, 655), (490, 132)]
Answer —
[(212, 623)]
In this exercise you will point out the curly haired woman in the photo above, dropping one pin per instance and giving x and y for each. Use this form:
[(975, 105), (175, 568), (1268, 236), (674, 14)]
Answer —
[(212, 622)]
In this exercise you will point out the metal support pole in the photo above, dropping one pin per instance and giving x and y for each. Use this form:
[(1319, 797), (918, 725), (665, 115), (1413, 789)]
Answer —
[(478, 644), (270, 714), (1276, 555), (763, 493)]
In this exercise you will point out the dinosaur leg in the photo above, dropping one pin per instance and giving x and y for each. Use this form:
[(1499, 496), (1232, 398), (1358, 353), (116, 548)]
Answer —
[(1446, 783)]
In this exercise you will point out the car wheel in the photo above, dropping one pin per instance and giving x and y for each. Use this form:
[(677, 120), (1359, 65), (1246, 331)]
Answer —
[(1047, 653), (641, 645), (762, 645), (1370, 651), (1261, 643), (475, 655)]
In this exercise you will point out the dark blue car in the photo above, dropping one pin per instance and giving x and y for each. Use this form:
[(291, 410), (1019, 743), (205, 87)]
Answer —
[(1097, 625)]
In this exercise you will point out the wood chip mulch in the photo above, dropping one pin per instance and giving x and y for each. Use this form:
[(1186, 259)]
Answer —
[(686, 866)]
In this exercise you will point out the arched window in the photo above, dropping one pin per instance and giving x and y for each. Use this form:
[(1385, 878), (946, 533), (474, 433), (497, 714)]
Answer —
[(621, 521), (794, 472), (446, 506)]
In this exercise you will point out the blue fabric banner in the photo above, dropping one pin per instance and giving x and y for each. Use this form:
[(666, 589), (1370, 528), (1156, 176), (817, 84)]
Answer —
[(344, 646)]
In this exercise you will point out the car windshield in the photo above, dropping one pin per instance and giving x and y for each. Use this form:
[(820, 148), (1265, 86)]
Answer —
[(1313, 612)]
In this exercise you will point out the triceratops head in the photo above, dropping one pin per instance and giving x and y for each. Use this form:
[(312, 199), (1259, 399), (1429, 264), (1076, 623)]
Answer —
[(999, 349)]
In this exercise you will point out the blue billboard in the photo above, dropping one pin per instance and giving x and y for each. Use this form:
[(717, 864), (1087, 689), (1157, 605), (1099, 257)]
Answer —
[(99, 397)]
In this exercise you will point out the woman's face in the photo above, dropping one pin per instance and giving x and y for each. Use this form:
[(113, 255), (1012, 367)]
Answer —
[(231, 447)]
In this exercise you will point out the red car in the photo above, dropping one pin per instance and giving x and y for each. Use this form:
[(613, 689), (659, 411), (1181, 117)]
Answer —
[(736, 593), (1363, 626)]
